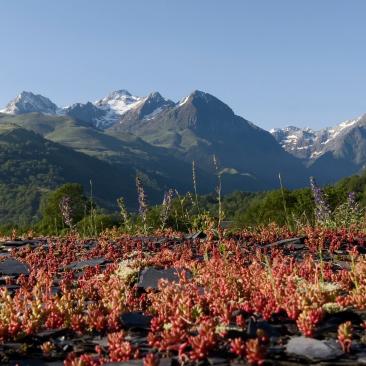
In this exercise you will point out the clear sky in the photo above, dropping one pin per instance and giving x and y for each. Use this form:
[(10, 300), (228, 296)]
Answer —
[(274, 62)]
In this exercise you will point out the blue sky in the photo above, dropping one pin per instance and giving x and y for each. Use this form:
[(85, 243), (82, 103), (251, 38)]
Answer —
[(274, 62)]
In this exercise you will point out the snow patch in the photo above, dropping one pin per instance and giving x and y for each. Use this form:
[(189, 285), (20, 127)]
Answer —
[(115, 105), (294, 139), (153, 114), (119, 103), (183, 101), (315, 154)]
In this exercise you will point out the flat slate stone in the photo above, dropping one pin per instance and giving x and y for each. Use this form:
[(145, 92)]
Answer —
[(101, 341), (215, 361), (13, 267), (19, 243), (51, 333), (362, 358), (14, 346), (11, 288), (90, 245), (197, 235), (136, 319), (287, 242), (150, 277), (342, 264), (136, 338), (165, 361), (253, 326), (313, 349), (331, 322), (34, 362), (125, 363), (78, 265), (3, 280)]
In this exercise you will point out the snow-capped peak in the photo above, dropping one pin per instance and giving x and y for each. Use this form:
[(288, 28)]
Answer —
[(119, 101), (27, 102), (308, 143), (343, 126), (114, 105)]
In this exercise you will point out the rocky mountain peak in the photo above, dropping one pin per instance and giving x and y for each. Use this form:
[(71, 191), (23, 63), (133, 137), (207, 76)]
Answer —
[(153, 104), (119, 93), (155, 95), (307, 143), (27, 102), (206, 103), (118, 101)]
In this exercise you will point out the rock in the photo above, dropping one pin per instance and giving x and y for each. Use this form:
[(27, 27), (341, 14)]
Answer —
[(5, 279), (297, 243), (361, 314), (197, 235), (313, 349), (101, 341), (296, 246), (253, 326), (34, 362), (13, 267), (136, 338), (136, 319), (78, 265), (13, 346), (291, 328), (165, 361), (18, 243), (161, 241), (90, 244), (12, 288), (150, 277), (332, 321), (342, 264), (51, 333), (217, 361), (126, 363), (361, 359)]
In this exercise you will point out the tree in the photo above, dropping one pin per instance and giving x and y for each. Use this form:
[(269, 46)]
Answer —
[(270, 207), (53, 220)]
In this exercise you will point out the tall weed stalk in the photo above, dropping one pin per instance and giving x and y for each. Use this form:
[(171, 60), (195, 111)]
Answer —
[(284, 203), (92, 225), (194, 179), (218, 191), (142, 201)]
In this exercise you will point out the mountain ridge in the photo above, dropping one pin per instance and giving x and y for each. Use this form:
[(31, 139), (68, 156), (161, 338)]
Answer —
[(295, 139), (196, 128), (102, 113), (201, 126)]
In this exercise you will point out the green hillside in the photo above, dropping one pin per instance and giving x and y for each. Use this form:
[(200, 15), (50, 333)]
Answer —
[(31, 165), (163, 169)]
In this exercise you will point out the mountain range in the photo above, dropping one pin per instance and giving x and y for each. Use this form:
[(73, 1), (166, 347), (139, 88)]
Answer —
[(115, 138), (330, 153)]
